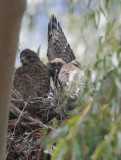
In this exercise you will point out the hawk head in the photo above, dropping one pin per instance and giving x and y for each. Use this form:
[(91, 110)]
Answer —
[(56, 64), (28, 56)]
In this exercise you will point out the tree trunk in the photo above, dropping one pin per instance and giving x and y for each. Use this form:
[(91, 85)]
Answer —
[(11, 13)]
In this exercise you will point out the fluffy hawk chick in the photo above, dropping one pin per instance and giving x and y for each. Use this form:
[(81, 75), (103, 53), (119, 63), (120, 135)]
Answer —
[(58, 46), (69, 77), (32, 78)]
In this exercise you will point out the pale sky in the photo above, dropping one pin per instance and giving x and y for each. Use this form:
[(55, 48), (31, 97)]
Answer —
[(40, 12)]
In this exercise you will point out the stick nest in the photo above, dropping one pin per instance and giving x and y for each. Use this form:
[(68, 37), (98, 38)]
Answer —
[(30, 122)]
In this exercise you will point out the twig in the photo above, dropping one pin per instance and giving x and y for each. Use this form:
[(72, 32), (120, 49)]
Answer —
[(18, 102)]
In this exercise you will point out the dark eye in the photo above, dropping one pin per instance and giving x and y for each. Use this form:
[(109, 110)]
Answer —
[(54, 64), (28, 57)]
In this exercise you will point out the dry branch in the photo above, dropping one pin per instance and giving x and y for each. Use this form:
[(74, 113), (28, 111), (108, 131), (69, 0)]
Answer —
[(27, 121)]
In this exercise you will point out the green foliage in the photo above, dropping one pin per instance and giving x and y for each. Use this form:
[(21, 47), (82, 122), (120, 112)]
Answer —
[(38, 51), (95, 132), (71, 5)]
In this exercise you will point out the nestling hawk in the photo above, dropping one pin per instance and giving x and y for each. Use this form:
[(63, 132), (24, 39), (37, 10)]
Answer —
[(32, 79), (58, 46), (69, 77)]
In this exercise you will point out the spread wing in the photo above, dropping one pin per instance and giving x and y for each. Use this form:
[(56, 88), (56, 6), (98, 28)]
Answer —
[(58, 46)]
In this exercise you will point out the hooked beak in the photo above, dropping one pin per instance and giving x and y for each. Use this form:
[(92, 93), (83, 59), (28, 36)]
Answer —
[(22, 59)]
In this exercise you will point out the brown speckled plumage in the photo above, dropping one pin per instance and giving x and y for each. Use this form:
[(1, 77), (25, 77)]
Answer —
[(69, 77), (32, 78), (58, 46)]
